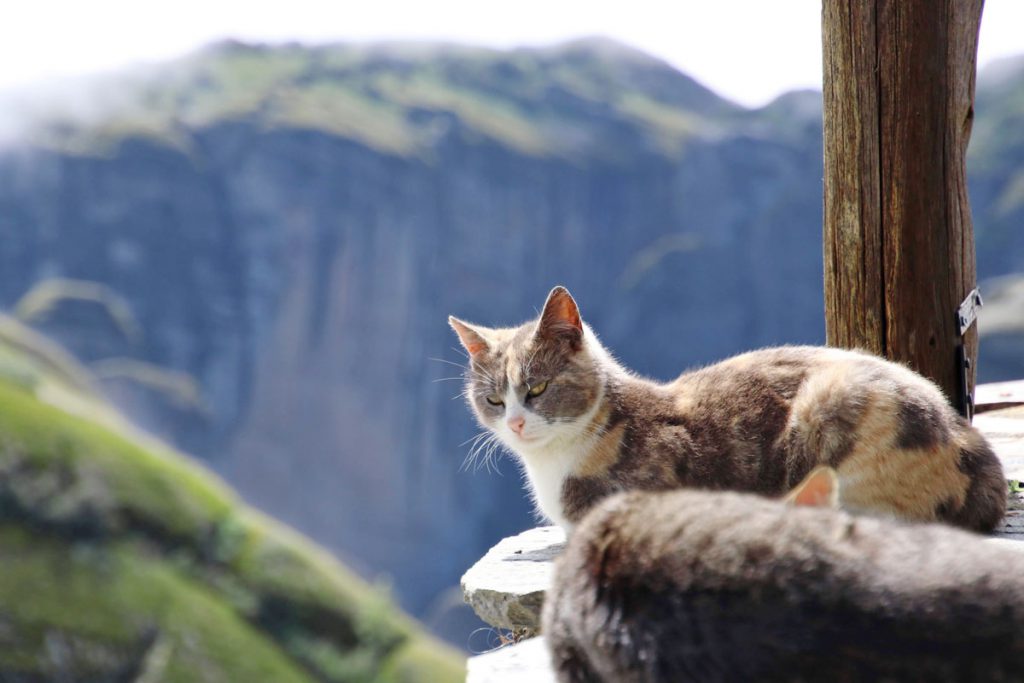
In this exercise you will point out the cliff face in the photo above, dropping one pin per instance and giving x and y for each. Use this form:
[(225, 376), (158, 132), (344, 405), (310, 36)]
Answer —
[(996, 169), (290, 227), (345, 384)]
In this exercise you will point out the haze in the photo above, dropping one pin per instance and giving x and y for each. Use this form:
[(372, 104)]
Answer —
[(747, 50)]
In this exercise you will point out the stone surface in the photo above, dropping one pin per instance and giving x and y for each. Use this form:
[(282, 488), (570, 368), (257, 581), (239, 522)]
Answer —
[(524, 662), (506, 587), (1005, 431), (1012, 528), (999, 393)]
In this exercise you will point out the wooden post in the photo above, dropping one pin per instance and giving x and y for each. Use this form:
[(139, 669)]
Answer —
[(899, 243)]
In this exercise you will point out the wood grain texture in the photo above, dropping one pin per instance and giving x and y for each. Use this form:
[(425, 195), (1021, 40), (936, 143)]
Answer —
[(898, 239)]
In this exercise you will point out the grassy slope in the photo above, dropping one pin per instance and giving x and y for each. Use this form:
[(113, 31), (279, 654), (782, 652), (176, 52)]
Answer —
[(401, 99), (117, 552)]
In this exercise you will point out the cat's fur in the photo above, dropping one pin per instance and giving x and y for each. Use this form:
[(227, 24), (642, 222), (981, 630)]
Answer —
[(721, 586), (757, 422)]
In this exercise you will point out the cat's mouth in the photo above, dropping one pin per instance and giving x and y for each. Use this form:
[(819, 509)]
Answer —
[(525, 438)]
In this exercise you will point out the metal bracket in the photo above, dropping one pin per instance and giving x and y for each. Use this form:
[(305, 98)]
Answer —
[(966, 314)]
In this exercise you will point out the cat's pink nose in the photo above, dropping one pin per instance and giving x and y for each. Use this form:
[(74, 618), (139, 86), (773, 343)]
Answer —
[(516, 424)]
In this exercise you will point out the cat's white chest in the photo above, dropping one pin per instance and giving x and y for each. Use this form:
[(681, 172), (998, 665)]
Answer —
[(547, 471)]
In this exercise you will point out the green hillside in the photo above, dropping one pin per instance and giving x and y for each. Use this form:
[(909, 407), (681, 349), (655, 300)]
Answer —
[(399, 99), (123, 560)]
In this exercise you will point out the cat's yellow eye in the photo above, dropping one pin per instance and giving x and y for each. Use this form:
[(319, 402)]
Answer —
[(495, 400), (537, 390)]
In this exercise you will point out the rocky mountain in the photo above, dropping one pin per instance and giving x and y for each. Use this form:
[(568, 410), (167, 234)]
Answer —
[(124, 561), (272, 238)]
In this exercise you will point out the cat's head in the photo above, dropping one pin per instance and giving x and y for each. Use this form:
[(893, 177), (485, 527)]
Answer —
[(534, 384)]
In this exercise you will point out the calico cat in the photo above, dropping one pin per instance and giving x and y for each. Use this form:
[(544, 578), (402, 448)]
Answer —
[(723, 586), (584, 427)]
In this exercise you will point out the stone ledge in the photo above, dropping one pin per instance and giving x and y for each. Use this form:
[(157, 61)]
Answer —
[(1004, 429), (525, 662), (506, 587)]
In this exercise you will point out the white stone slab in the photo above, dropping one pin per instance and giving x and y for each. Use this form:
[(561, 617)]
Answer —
[(1006, 434), (506, 587), (524, 662), (999, 392)]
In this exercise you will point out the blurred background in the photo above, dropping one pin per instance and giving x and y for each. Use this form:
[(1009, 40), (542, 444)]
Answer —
[(232, 233)]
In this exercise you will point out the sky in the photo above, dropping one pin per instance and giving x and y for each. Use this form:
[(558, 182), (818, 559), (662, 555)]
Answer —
[(747, 50)]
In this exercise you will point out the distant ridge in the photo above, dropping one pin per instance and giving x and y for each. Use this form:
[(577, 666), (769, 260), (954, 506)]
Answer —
[(388, 95)]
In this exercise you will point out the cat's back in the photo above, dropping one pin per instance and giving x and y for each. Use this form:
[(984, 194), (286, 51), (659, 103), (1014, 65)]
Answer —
[(896, 442), (784, 370), (721, 586)]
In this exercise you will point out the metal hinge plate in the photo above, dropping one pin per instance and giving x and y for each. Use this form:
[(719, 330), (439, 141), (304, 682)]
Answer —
[(967, 313)]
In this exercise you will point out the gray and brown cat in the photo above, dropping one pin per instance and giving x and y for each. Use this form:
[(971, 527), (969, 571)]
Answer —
[(583, 427), (719, 586)]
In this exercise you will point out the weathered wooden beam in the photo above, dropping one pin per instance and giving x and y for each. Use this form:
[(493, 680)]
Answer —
[(898, 239)]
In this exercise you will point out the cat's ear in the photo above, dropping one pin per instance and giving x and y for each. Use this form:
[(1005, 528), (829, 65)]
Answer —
[(560, 319), (472, 337), (820, 488)]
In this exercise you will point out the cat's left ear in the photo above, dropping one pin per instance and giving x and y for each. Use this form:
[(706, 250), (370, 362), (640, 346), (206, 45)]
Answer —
[(560, 319), (820, 488), (472, 337)]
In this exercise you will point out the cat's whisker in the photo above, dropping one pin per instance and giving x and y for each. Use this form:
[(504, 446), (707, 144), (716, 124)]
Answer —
[(488, 461), (494, 452), (483, 443), (443, 360), (480, 374), (469, 460), (473, 438)]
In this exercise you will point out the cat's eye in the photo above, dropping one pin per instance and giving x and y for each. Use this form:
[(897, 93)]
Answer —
[(495, 400), (537, 390)]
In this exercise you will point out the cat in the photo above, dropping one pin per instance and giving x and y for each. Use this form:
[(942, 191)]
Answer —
[(584, 427), (724, 586)]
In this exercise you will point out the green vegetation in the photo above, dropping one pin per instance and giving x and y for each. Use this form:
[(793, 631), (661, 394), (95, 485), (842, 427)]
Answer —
[(399, 99), (29, 359), (121, 557), (178, 388), (649, 257), (46, 296), (118, 610), (346, 113)]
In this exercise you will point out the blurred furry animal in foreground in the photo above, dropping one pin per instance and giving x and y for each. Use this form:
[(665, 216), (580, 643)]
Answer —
[(721, 586)]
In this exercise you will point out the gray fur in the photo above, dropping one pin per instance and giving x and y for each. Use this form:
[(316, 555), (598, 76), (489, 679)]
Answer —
[(703, 586)]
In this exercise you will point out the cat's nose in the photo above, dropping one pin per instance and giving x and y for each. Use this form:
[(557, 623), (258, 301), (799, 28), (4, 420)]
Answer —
[(516, 424)]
